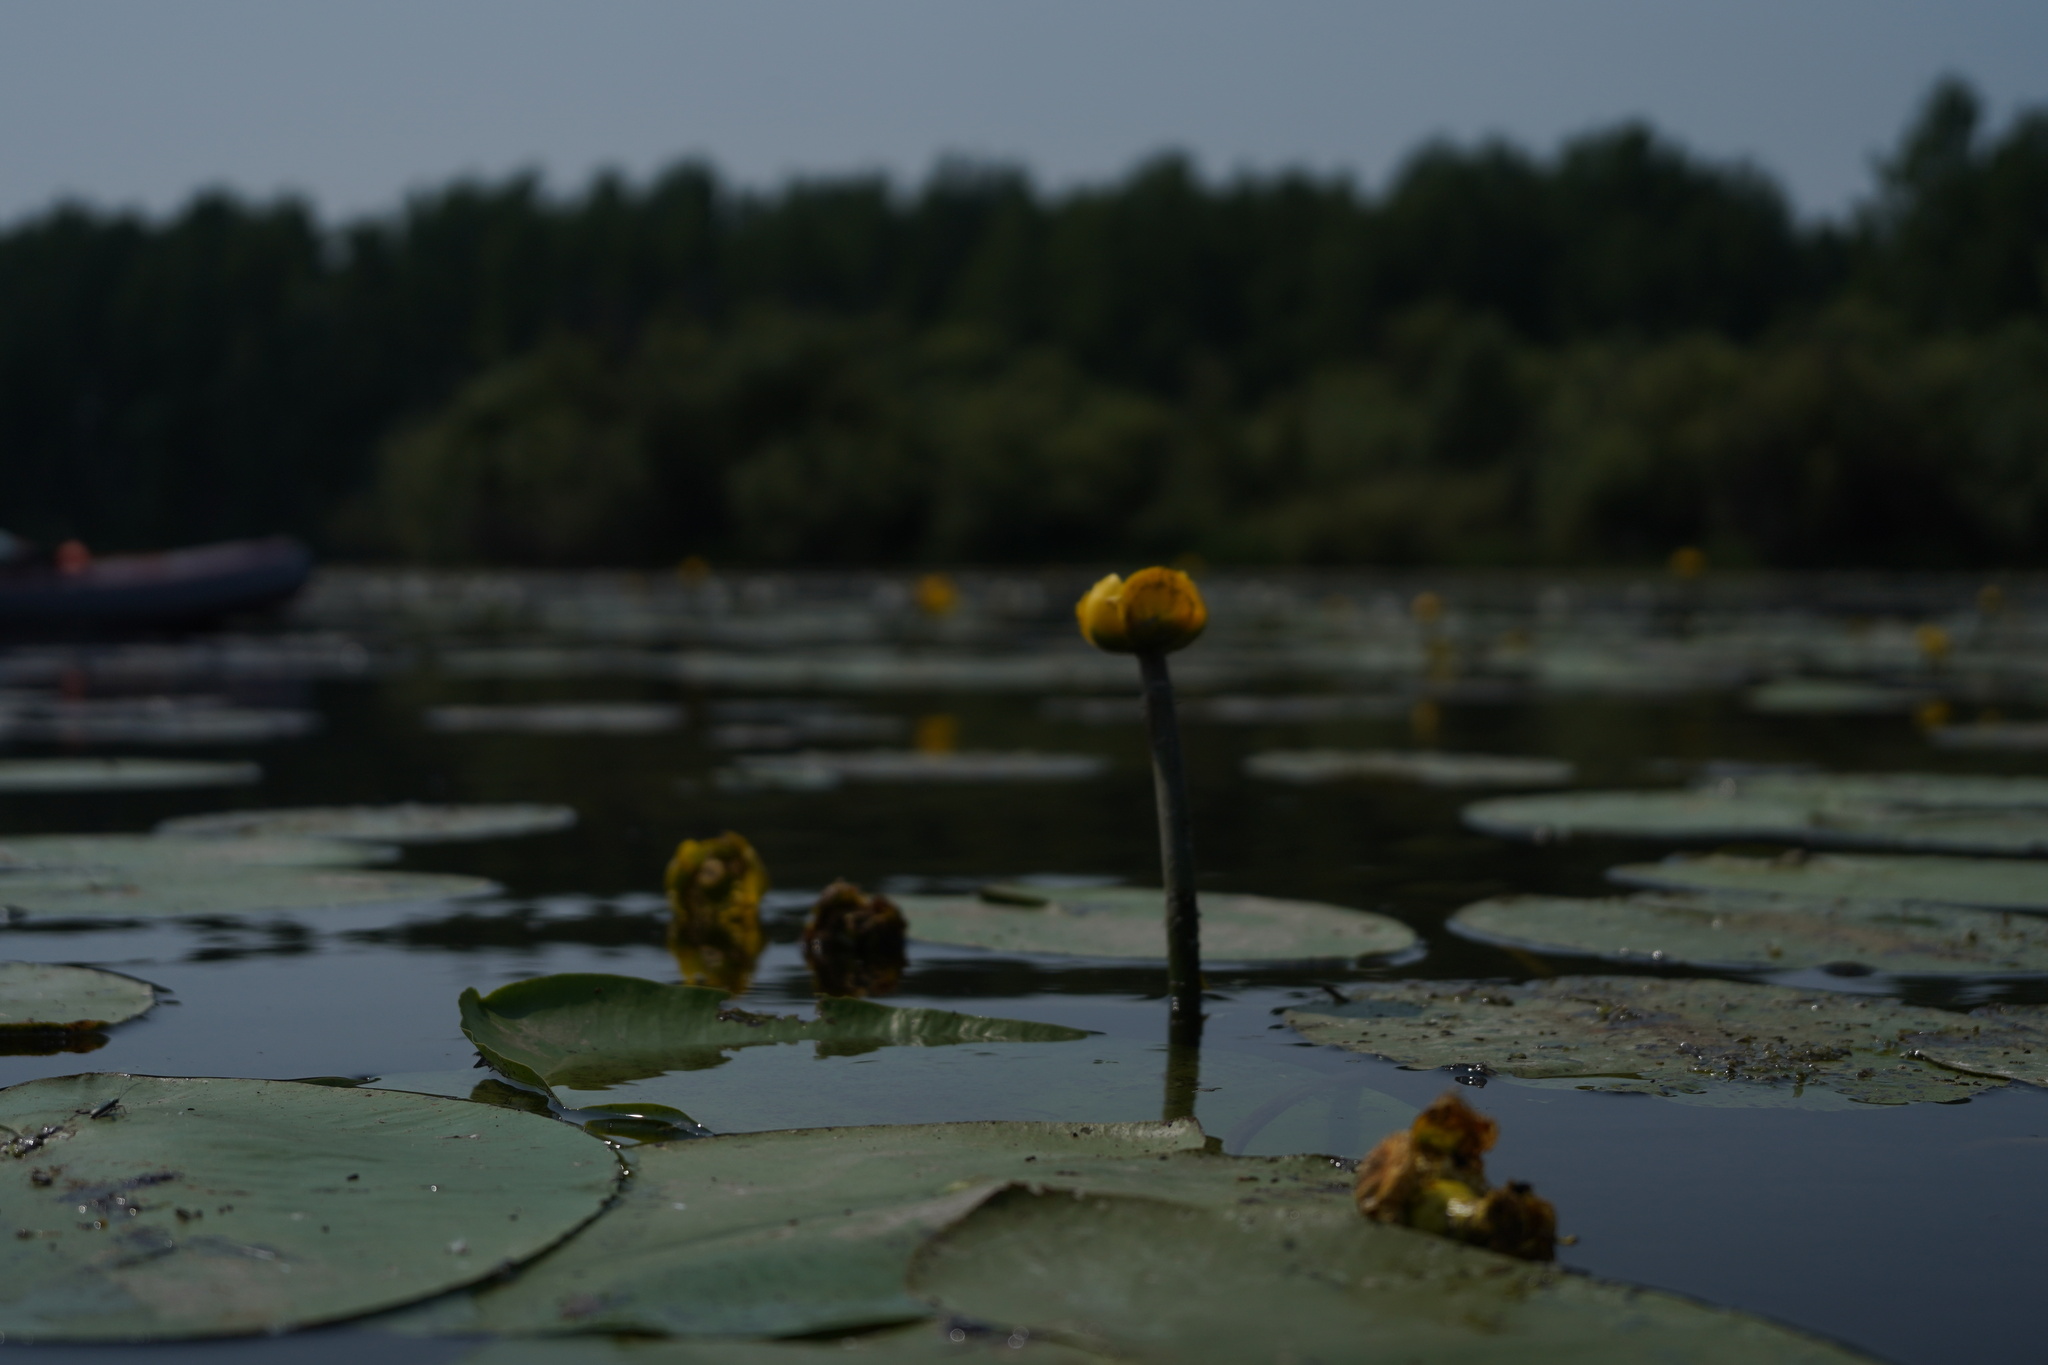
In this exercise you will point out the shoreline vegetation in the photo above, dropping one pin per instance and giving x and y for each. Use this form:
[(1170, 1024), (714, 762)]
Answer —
[(1499, 359)]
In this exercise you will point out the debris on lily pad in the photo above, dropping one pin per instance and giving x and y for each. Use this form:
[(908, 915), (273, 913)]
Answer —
[(406, 823), (795, 1233), (714, 891), (589, 1030), (120, 774), (558, 718), (1832, 697), (1765, 933), (128, 852), (2029, 736), (1431, 1176), (1124, 922), (48, 997), (822, 770), (1165, 1282), (1720, 1042), (150, 1208), (1430, 768), (170, 892), (1982, 883), (854, 942)]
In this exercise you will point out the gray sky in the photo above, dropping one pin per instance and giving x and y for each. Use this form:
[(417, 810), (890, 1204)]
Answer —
[(354, 102)]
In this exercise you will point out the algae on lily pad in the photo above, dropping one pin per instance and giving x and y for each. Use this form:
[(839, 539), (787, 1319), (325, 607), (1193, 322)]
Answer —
[(148, 1208), (101, 852), (589, 1030), (1126, 922), (1982, 883), (1430, 768), (1182, 1283), (1724, 1042), (793, 1233), (188, 892), (1761, 933), (43, 996), (54, 775), (405, 823)]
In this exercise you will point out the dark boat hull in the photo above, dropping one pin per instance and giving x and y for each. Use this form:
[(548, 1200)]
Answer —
[(132, 594)]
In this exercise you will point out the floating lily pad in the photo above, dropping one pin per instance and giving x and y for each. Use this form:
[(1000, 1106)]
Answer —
[(1183, 1283), (1429, 768), (819, 770), (44, 997), (1788, 808), (912, 1344), (560, 718), (1905, 791), (101, 852), (2006, 1041), (151, 720), (174, 893), (1983, 883), (146, 1208), (2024, 737), (589, 1030), (1750, 933), (792, 1233), (1831, 697), (406, 823), (1124, 921), (1725, 1042), (119, 774)]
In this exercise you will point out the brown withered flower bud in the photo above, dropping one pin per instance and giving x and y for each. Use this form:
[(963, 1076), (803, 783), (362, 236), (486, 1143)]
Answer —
[(1432, 1177), (714, 897), (854, 942)]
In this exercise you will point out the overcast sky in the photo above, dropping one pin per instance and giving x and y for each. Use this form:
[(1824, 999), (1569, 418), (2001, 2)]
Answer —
[(355, 102)]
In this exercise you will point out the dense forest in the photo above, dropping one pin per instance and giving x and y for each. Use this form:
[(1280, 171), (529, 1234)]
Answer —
[(1499, 358)]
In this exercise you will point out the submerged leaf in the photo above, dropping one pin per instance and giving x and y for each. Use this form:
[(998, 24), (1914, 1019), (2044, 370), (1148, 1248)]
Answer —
[(147, 1208), (406, 823), (589, 1031), (1761, 933), (1982, 883), (43, 996), (1725, 1042), (1127, 921)]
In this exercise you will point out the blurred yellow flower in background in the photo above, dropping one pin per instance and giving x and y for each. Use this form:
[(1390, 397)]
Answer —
[(714, 897), (1154, 611)]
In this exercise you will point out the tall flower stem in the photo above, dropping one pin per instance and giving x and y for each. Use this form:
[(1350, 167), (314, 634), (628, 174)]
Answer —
[(1176, 853)]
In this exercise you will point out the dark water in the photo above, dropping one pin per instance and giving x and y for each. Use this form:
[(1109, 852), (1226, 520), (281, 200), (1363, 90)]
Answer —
[(1912, 1232)]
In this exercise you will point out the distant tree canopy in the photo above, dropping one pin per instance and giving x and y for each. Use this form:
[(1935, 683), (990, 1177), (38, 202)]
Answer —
[(1502, 358)]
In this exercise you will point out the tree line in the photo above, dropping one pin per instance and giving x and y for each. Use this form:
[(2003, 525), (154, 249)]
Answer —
[(1500, 358)]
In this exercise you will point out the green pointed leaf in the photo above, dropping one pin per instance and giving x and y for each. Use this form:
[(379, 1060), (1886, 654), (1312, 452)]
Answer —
[(792, 1233), (105, 852), (1720, 1041), (1753, 933), (589, 1031), (1430, 768), (44, 996), (119, 774), (405, 823), (1181, 1283), (1983, 883), (1126, 921), (185, 892), (148, 1208)]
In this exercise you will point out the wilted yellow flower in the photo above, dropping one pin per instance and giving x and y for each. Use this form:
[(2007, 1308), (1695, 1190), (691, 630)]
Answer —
[(714, 896), (1431, 1176), (854, 942), (1154, 611)]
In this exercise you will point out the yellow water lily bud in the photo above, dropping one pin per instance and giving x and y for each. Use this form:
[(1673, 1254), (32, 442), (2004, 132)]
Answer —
[(714, 896), (1154, 611), (1933, 641), (1688, 562), (936, 595)]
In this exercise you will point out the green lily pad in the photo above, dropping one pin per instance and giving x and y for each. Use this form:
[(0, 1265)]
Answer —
[(1982, 883), (1724, 1042), (151, 720), (1750, 933), (103, 852), (46, 996), (1831, 697), (589, 1030), (1184, 1283), (2005, 1041), (558, 718), (1901, 791), (149, 1208), (1128, 922), (1431, 769), (822, 770), (793, 1233), (185, 892), (912, 1344), (406, 823), (119, 774), (2019, 737)]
